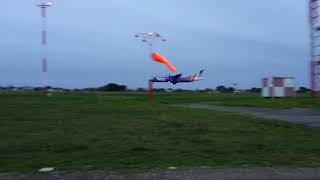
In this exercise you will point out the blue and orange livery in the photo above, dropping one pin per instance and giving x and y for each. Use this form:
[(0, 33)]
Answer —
[(179, 79)]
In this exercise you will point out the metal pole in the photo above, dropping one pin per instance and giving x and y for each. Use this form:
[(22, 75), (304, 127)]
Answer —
[(150, 91)]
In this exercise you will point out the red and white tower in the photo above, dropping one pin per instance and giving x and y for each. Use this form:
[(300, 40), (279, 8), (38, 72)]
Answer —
[(43, 5), (314, 20)]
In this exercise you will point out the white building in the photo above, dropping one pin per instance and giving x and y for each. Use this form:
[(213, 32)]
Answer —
[(278, 87)]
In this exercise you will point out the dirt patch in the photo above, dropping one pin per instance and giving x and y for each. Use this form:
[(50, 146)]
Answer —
[(309, 117)]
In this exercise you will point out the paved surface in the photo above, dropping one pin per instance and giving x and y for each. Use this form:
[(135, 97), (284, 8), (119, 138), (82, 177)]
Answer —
[(230, 174), (309, 117)]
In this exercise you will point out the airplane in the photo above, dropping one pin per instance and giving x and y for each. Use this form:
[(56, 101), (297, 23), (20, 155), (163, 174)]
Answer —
[(179, 79)]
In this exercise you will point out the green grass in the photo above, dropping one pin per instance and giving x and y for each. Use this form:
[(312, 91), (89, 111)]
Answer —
[(120, 131), (243, 100)]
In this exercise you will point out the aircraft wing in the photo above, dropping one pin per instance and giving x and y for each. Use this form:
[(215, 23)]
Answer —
[(176, 76)]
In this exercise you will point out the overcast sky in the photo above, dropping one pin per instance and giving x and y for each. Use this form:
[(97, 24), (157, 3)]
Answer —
[(91, 43)]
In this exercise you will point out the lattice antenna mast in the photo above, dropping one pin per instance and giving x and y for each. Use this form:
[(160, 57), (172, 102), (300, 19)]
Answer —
[(315, 46), (44, 5)]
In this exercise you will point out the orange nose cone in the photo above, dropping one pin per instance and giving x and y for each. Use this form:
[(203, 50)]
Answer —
[(158, 58)]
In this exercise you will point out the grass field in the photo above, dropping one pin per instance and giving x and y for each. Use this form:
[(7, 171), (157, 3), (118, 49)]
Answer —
[(242, 100), (121, 132)]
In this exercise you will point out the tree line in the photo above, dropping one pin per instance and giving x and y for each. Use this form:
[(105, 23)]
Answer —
[(119, 88)]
